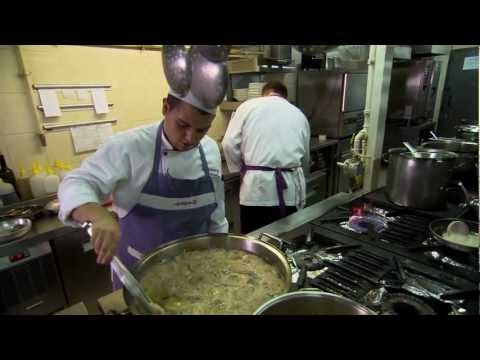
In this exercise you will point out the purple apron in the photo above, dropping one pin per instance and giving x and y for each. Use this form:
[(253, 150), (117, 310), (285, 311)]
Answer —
[(279, 180), (167, 209)]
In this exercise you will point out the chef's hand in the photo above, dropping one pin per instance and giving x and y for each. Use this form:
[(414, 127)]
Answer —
[(105, 230)]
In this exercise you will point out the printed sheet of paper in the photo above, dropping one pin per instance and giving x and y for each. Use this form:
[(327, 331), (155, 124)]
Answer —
[(49, 100), (83, 94), (100, 101), (90, 137), (68, 94)]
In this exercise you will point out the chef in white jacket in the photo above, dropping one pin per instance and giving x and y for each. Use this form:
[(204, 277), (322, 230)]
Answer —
[(268, 141), (165, 179)]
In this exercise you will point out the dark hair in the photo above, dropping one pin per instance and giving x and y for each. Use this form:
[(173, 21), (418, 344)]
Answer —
[(277, 87), (173, 102)]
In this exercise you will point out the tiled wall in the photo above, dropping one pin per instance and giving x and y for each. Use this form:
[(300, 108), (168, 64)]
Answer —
[(138, 86)]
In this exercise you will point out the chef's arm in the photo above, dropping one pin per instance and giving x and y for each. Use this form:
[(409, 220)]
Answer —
[(232, 141), (218, 221), (82, 191), (92, 183)]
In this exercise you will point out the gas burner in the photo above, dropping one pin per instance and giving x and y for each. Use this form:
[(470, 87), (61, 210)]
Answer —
[(401, 304)]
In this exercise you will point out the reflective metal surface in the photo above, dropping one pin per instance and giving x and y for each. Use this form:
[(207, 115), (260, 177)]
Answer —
[(467, 153), (419, 181), (268, 252), (201, 69), (310, 302), (177, 67), (468, 132), (209, 79), (215, 53), (456, 146), (12, 229), (439, 227)]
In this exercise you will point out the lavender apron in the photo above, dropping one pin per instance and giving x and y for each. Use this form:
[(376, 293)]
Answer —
[(167, 209)]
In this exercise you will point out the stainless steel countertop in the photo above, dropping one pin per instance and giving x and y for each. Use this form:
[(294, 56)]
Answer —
[(43, 229), (304, 216)]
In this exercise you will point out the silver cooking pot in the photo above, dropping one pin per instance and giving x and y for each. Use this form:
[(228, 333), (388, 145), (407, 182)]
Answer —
[(419, 182), (467, 132), (467, 153), (266, 251), (312, 302)]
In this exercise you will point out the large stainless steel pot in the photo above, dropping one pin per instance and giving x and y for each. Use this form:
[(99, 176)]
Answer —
[(419, 182), (468, 132), (312, 303), (467, 153), (268, 252)]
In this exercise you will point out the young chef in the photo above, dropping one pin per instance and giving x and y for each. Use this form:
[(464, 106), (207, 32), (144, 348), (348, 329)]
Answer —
[(165, 180)]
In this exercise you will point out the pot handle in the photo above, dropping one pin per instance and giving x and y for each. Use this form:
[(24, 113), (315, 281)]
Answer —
[(281, 243)]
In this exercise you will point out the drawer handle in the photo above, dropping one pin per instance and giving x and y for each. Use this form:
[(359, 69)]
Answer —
[(37, 304)]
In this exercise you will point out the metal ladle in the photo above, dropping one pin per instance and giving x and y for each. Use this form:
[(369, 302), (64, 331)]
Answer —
[(130, 283), (134, 288)]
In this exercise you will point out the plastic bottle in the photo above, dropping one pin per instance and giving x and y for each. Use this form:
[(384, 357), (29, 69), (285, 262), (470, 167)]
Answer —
[(23, 185), (7, 193), (51, 181), (36, 183)]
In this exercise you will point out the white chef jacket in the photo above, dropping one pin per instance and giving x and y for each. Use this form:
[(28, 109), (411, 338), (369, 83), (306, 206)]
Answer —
[(269, 131), (122, 166)]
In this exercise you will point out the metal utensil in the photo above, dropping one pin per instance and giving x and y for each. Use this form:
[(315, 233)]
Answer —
[(12, 229), (130, 282), (209, 79), (458, 227), (134, 287), (410, 148), (433, 135), (177, 67)]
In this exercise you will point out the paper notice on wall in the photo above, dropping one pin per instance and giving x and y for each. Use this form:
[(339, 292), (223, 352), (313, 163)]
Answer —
[(470, 63), (49, 100), (83, 94), (100, 101), (68, 94), (89, 138)]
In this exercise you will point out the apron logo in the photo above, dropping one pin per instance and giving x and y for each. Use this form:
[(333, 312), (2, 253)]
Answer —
[(186, 203)]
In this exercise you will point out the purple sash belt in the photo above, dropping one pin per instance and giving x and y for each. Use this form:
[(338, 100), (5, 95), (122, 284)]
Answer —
[(279, 179)]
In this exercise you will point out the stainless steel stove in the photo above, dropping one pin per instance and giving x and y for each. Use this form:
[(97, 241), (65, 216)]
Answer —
[(391, 264)]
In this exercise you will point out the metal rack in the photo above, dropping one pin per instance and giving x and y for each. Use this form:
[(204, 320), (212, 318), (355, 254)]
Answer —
[(71, 87), (84, 123)]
